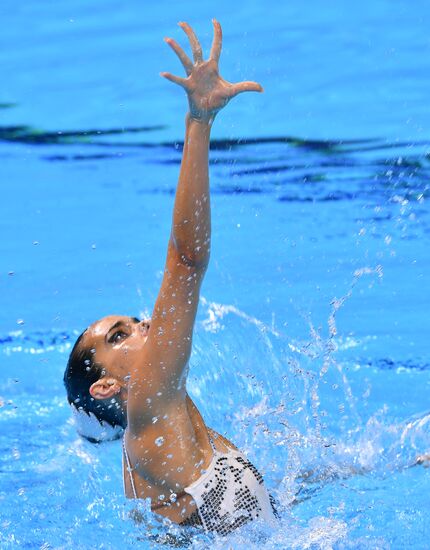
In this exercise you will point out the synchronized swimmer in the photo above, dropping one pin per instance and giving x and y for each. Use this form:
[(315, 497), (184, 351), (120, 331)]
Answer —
[(127, 374)]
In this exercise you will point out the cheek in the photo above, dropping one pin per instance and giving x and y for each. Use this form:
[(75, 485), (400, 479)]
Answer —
[(132, 347), (130, 351), (136, 342)]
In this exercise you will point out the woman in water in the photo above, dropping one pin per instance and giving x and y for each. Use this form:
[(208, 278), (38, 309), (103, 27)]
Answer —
[(126, 373)]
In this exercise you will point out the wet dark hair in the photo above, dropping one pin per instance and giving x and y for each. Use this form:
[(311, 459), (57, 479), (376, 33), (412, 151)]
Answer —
[(81, 372)]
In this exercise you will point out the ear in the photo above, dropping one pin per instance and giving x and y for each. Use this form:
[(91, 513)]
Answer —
[(105, 388)]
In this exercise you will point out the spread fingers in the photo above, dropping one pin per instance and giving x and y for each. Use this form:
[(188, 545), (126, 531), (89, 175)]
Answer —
[(217, 41), (183, 57), (194, 41), (176, 79)]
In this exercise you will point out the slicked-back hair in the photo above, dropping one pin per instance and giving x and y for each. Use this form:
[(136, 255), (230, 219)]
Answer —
[(81, 372)]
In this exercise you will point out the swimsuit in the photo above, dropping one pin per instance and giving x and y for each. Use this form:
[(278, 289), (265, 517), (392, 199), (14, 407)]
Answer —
[(228, 494)]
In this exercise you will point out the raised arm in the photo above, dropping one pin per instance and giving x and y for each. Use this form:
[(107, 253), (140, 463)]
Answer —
[(158, 377)]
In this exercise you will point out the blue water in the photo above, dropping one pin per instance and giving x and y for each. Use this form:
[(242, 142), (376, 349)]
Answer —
[(311, 345)]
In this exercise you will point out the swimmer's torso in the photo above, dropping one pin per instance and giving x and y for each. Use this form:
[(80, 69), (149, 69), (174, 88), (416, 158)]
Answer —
[(166, 461)]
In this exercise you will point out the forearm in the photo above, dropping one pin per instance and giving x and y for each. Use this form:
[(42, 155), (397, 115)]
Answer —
[(207, 94), (191, 227)]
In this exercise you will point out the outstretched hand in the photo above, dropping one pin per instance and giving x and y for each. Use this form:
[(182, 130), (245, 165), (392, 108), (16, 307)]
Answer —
[(207, 91)]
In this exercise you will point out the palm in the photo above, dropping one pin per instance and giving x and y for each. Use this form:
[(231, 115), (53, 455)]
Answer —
[(207, 91)]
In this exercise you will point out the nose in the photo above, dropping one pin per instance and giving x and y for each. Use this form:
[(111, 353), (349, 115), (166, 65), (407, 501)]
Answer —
[(144, 325)]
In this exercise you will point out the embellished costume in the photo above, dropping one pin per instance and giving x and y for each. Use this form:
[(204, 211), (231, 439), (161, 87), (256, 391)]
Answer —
[(228, 494)]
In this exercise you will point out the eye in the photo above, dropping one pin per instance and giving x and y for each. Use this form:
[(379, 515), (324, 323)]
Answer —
[(117, 337)]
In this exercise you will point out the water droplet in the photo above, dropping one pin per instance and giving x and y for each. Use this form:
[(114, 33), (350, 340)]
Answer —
[(20, 321), (159, 441)]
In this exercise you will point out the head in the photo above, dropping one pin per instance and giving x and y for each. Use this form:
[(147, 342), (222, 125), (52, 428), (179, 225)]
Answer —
[(97, 373)]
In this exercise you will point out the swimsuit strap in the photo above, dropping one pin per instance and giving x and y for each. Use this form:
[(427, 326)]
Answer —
[(129, 469)]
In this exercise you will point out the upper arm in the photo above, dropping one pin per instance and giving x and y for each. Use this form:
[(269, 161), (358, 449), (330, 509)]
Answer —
[(159, 375)]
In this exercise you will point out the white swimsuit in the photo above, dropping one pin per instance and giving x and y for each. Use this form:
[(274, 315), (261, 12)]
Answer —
[(228, 494)]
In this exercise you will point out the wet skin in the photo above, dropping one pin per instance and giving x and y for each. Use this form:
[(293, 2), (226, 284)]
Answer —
[(118, 342), (146, 364)]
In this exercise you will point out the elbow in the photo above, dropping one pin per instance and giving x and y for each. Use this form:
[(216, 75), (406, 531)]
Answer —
[(194, 257)]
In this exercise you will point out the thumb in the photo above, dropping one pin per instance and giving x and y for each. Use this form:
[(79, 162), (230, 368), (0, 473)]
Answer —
[(246, 86)]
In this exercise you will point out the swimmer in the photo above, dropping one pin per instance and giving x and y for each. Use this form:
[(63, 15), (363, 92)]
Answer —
[(130, 374)]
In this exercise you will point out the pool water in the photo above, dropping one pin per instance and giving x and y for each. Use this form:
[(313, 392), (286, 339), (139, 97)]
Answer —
[(311, 344)]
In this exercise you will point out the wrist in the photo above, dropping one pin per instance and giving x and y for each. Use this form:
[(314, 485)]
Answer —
[(203, 120)]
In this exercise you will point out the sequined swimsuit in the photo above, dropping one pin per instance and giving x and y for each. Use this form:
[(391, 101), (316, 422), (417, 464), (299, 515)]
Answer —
[(228, 494)]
